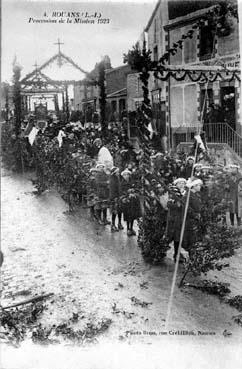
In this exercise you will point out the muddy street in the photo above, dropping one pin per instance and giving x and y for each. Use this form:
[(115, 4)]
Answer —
[(101, 275)]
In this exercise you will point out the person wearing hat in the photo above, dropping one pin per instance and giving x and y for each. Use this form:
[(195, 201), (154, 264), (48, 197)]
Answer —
[(188, 167), (114, 198), (197, 169), (91, 191), (232, 189), (102, 193), (179, 167), (175, 212), (130, 202), (239, 202), (193, 213), (94, 146)]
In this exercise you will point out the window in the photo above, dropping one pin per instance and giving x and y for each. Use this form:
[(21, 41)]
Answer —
[(114, 105), (206, 42), (155, 53), (190, 104), (155, 30), (176, 106), (183, 105), (188, 53), (155, 58), (228, 105)]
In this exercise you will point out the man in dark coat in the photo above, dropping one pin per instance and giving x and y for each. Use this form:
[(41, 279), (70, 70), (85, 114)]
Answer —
[(193, 214), (130, 202), (175, 213), (114, 197), (232, 192), (188, 167), (102, 192)]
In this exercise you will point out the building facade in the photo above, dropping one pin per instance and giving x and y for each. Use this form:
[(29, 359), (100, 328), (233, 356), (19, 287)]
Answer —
[(155, 39), (87, 92), (181, 107), (191, 104), (116, 91)]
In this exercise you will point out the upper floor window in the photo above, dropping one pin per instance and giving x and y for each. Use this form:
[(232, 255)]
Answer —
[(155, 31), (155, 53), (206, 43)]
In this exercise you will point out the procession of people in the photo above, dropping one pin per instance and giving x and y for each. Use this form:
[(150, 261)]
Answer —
[(113, 184)]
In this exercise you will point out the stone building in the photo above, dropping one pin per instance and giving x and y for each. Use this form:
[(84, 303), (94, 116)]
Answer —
[(155, 39), (134, 92), (190, 103), (116, 91), (180, 107), (86, 92)]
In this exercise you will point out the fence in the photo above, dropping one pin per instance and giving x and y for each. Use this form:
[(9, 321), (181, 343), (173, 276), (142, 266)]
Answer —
[(215, 133)]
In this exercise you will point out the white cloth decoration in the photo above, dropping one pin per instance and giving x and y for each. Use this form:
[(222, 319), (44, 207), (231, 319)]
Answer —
[(104, 157), (60, 136), (32, 135), (150, 129), (200, 142)]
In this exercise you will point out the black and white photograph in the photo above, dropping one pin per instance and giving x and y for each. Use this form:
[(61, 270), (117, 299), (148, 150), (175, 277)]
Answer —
[(121, 184)]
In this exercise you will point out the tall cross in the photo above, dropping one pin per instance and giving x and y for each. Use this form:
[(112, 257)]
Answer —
[(36, 66), (59, 43)]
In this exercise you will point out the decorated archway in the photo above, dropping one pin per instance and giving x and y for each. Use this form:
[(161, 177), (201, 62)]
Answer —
[(50, 86)]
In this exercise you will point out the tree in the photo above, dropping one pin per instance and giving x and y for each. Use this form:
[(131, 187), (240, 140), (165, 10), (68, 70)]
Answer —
[(17, 96), (102, 95), (5, 96), (97, 78)]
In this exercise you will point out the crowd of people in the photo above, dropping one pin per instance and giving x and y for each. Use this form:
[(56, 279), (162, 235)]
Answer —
[(114, 188)]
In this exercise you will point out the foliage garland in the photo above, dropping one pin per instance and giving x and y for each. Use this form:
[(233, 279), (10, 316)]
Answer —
[(140, 60)]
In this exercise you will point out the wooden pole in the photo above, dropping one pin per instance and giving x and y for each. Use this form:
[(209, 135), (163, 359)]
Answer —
[(28, 301)]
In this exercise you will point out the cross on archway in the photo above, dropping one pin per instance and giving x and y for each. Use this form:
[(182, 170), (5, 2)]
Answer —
[(36, 66), (59, 43)]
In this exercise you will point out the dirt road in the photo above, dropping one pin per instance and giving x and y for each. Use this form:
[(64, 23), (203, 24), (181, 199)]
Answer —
[(97, 275)]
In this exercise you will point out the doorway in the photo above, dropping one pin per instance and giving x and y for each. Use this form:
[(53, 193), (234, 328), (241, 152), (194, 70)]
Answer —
[(228, 105)]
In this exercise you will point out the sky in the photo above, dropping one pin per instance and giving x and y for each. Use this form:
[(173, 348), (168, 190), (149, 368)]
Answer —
[(86, 44)]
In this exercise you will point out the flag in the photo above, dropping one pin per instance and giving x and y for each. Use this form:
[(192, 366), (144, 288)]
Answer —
[(150, 129), (200, 144), (28, 128), (32, 135), (60, 136)]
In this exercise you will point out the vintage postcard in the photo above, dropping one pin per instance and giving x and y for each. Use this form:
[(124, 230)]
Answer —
[(121, 184)]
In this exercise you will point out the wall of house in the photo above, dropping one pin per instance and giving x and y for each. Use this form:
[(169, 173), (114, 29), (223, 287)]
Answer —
[(156, 44), (134, 91), (185, 96), (116, 78), (78, 96), (229, 44)]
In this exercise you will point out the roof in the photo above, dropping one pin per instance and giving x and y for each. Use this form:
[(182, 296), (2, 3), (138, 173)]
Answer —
[(152, 16), (57, 57), (181, 21), (111, 70), (118, 93)]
